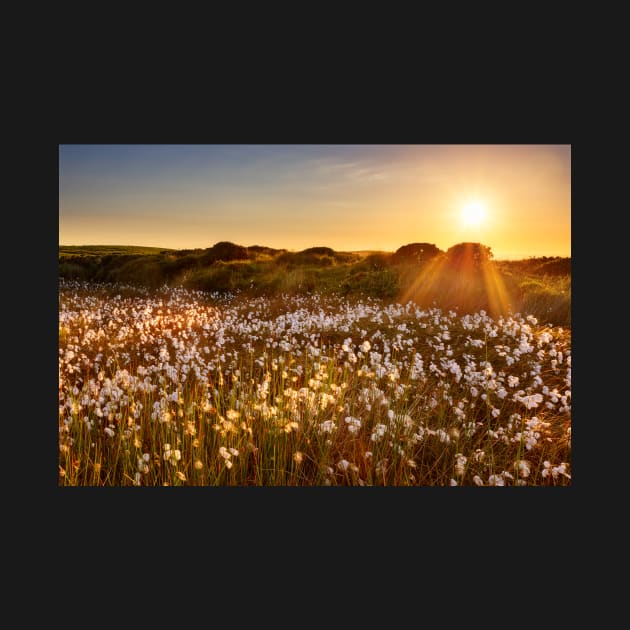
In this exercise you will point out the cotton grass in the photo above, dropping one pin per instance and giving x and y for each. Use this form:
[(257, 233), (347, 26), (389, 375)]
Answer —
[(179, 387)]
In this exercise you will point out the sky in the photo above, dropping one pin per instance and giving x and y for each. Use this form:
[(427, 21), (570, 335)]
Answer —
[(516, 199)]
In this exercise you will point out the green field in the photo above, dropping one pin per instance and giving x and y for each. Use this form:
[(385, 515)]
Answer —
[(465, 277), (70, 251)]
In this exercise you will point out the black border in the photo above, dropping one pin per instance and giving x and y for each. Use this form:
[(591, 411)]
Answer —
[(374, 535)]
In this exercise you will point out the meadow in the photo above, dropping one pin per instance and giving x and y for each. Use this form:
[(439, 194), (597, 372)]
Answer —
[(465, 277), (265, 367)]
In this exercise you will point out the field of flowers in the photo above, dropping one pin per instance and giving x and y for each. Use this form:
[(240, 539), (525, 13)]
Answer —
[(178, 387)]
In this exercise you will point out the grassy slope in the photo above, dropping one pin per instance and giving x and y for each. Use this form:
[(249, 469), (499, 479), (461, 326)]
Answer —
[(537, 286)]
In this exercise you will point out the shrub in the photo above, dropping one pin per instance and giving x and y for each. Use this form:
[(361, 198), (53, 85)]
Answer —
[(415, 253), (224, 251), (375, 262), (73, 271), (382, 283), (468, 256), (556, 267), (305, 258), (319, 251)]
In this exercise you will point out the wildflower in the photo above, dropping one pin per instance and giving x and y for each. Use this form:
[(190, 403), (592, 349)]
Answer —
[(109, 432), (298, 457), (328, 426), (198, 464), (378, 433), (181, 475), (453, 482), (365, 346), (477, 480), (343, 464), (530, 401), (561, 470), (530, 442), (522, 466), (354, 424), (554, 471), (443, 436), (460, 465)]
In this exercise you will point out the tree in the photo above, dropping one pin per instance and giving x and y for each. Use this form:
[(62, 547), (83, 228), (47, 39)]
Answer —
[(468, 256)]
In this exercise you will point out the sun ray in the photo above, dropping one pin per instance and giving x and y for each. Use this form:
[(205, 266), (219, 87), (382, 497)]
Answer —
[(459, 279), (425, 284), (498, 300)]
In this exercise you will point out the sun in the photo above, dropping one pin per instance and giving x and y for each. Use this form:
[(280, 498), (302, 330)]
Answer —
[(474, 213)]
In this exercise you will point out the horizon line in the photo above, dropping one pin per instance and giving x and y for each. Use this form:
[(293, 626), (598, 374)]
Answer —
[(292, 250)]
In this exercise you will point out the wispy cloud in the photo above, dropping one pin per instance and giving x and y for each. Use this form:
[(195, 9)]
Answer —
[(352, 172)]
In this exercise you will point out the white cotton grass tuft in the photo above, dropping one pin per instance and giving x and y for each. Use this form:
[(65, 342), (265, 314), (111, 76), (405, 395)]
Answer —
[(181, 385), (523, 468)]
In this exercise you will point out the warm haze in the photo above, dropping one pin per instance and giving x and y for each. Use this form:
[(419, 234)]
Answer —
[(515, 199)]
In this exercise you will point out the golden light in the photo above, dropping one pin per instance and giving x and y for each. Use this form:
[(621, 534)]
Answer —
[(473, 213)]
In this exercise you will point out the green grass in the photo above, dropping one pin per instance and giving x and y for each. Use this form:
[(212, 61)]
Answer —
[(70, 251), (537, 286)]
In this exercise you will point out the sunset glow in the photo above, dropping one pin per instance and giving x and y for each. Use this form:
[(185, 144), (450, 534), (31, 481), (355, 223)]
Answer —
[(314, 315), (474, 213), (516, 199)]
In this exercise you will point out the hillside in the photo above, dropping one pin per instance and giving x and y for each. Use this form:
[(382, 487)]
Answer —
[(463, 277)]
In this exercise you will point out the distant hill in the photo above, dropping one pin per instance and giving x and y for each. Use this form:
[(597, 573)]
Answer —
[(70, 251), (255, 251)]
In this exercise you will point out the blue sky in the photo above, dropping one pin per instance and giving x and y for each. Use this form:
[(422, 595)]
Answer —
[(347, 197)]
